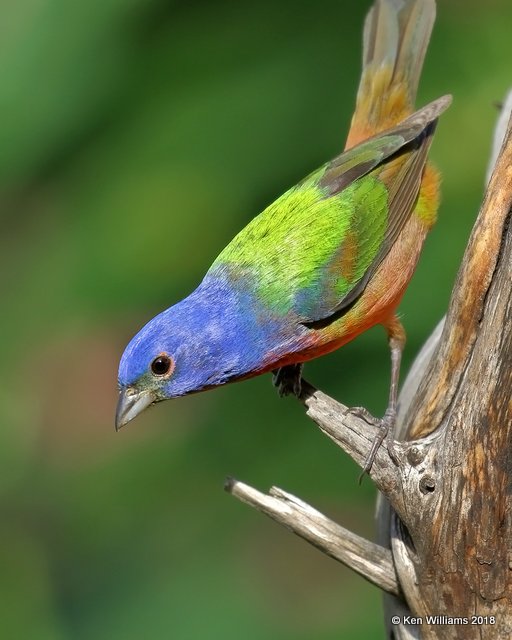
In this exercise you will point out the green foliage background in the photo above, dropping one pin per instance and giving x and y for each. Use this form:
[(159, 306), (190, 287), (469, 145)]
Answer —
[(136, 138)]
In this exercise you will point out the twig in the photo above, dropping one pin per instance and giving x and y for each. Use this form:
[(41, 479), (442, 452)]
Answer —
[(368, 559)]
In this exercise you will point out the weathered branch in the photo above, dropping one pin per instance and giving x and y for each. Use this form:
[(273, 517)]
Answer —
[(355, 437), (499, 134), (368, 559)]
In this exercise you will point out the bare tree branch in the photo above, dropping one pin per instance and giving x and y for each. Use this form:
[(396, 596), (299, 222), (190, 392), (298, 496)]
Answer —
[(355, 437), (368, 559)]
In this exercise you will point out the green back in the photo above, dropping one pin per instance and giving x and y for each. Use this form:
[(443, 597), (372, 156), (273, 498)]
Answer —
[(293, 251), (315, 248)]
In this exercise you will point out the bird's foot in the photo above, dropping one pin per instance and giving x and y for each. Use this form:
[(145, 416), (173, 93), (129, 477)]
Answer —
[(288, 380), (386, 426)]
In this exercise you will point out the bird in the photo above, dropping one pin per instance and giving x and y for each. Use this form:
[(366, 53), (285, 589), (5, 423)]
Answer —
[(326, 261)]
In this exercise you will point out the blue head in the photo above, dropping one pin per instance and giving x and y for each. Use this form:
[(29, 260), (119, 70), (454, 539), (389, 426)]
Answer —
[(212, 337)]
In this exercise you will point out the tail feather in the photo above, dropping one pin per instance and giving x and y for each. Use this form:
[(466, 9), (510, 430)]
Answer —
[(416, 23), (395, 40), (380, 35)]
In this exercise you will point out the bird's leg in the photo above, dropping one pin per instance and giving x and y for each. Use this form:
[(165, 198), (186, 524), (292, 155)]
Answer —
[(288, 380), (386, 424)]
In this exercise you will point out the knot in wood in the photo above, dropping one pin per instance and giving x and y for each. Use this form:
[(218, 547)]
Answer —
[(415, 456), (427, 484)]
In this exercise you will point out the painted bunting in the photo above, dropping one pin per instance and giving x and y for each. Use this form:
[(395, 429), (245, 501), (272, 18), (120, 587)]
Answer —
[(327, 260)]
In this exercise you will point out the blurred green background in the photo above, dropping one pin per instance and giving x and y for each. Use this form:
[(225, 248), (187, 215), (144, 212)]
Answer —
[(137, 137)]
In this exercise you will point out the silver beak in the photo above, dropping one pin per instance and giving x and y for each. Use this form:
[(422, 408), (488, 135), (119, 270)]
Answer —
[(131, 403)]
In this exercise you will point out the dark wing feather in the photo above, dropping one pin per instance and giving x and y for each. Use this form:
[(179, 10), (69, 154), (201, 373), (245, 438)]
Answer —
[(366, 156), (416, 132)]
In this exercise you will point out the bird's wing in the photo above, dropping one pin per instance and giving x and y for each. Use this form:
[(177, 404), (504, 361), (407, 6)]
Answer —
[(401, 176), (364, 157), (312, 251)]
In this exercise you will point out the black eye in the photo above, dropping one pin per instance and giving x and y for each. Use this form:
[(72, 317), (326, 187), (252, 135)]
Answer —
[(161, 365)]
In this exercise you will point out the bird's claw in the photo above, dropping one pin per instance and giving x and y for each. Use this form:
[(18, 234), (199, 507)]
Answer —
[(364, 414), (386, 428), (288, 380)]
